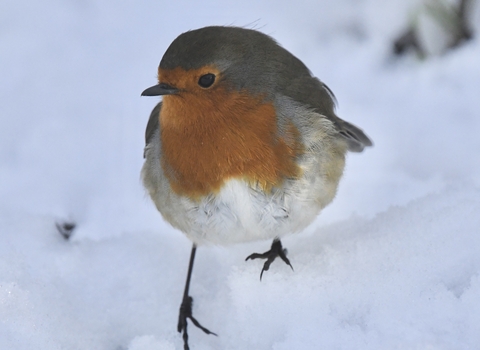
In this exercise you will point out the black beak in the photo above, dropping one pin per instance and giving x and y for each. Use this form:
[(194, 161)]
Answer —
[(160, 89)]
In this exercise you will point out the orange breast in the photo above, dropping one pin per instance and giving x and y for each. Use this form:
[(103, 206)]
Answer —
[(206, 141)]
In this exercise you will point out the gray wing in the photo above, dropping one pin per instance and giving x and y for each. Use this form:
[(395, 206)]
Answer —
[(357, 140), (293, 79), (313, 92), (152, 124)]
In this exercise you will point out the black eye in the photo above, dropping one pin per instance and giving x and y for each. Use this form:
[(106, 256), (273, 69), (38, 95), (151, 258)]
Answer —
[(206, 80)]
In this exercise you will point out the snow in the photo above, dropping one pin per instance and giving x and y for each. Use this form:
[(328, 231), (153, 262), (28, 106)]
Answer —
[(392, 263)]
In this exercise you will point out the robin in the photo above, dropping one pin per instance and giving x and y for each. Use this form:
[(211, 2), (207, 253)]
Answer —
[(244, 146)]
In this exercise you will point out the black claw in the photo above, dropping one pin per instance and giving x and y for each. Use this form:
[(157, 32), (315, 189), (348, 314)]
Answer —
[(276, 250), (283, 255), (186, 306), (186, 313)]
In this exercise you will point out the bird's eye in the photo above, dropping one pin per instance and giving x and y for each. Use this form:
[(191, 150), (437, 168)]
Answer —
[(206, 80)]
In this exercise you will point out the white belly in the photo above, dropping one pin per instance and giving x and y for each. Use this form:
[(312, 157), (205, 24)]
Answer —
[(241, 213)]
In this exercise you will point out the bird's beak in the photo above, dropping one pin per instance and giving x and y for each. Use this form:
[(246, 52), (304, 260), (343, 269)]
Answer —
[(160, 89)]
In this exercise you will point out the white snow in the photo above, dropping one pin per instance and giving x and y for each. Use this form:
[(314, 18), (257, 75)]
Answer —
[(392, 263)]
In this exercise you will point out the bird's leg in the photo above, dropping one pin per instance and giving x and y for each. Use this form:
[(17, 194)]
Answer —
[(186, 306), (276, 250)]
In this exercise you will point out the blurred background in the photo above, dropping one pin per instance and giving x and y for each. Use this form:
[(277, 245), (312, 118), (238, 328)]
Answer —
[(72, 133), (72, 120)]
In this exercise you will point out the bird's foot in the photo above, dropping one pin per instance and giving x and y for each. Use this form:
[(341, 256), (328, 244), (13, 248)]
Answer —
[(276, 250), (186, 313)]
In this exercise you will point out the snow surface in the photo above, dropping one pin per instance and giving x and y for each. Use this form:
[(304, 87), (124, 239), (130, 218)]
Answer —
[(393, 263)]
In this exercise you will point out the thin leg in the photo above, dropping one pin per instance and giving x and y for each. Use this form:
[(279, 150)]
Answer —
[(276, 250), (186, 306)]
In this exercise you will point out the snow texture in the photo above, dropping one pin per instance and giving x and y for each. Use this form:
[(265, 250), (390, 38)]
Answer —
[(392, 263)]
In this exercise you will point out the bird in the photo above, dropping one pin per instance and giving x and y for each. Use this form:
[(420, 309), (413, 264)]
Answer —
[(245, 144)]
